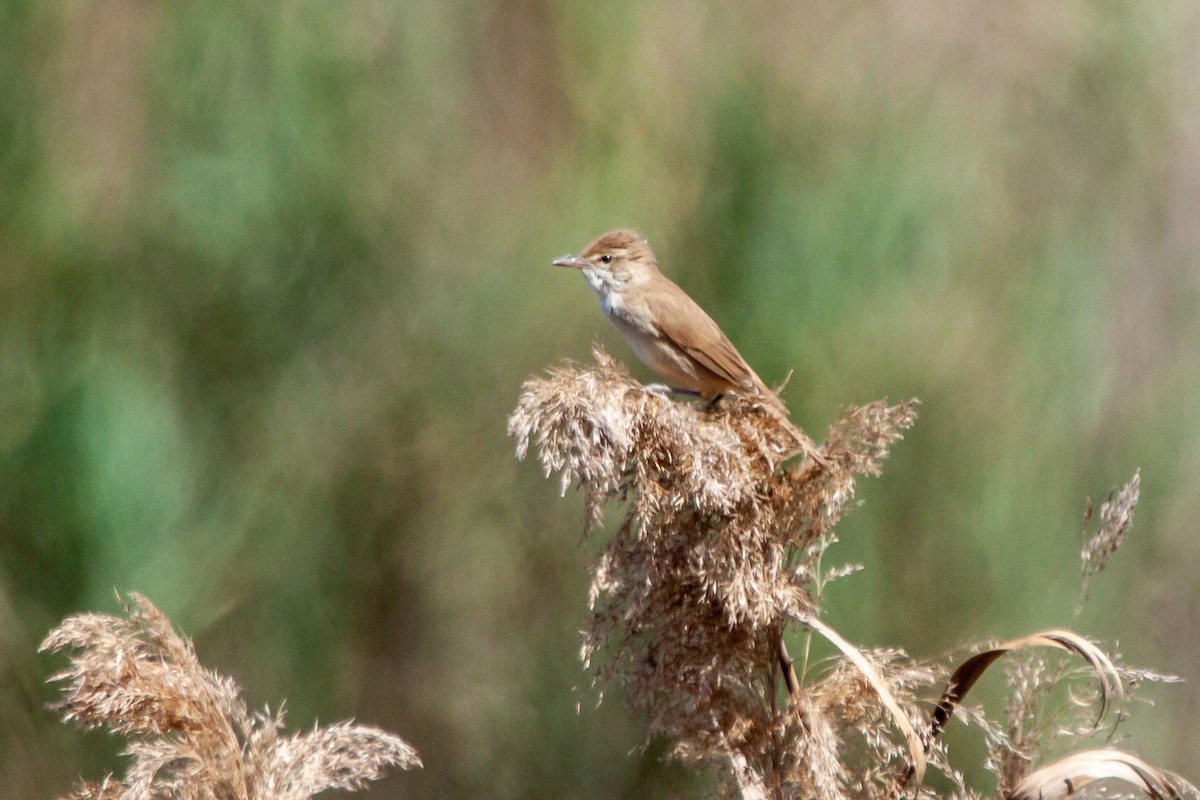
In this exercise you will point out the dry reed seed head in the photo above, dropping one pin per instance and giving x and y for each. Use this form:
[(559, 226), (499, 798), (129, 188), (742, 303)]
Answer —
[(340, 756), (1116, 517), (715, 552), (596, 426), (137, 676), (712, 476)]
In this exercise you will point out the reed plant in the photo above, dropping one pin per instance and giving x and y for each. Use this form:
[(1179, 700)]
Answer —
[(719, 561), (190, 734)]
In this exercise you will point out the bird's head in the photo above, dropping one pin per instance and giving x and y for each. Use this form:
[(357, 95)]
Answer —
[(614, 262)]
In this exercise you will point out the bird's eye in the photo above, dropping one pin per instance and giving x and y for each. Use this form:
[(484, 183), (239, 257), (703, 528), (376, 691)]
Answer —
[(606, 258)]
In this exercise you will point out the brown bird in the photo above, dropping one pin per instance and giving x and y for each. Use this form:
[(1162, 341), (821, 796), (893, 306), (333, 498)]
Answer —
[(667, 329)]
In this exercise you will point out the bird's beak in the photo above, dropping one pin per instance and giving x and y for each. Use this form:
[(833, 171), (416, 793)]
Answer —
[(575, 262)]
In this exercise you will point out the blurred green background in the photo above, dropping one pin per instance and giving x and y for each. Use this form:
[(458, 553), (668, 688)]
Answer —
[(271, 276)]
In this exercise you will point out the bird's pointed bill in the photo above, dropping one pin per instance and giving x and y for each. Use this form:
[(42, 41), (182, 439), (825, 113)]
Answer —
[(575, 262)]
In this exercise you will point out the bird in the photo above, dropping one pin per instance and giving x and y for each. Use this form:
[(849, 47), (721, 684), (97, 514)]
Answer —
[(667, 329)]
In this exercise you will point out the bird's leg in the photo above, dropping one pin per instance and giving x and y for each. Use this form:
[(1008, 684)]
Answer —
[(662, 390)]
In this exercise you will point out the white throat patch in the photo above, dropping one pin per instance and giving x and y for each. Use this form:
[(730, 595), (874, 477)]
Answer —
[(594, 280)]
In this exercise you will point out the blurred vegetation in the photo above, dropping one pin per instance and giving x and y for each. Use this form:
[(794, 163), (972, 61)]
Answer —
[(271, 277)]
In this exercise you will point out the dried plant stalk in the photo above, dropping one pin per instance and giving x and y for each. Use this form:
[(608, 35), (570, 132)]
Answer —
[(192, 735)]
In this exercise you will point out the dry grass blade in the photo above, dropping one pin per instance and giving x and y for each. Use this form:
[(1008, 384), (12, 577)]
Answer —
[(195, 738), (970, 671), (916, 747), (1068, 775)]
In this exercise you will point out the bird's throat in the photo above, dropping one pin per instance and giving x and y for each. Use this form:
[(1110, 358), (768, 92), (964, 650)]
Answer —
[(596, 282)]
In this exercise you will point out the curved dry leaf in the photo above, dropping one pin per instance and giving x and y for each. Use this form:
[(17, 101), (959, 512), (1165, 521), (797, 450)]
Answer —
[(970, 671), (916, 747), (1066, 776)]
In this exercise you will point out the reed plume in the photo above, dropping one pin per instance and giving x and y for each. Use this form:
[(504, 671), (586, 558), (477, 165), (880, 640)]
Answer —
[(191, 736)]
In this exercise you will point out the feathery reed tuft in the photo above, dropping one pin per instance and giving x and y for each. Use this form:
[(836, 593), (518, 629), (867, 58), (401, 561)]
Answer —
[(719, 551), (1116, 517), (192, 735)]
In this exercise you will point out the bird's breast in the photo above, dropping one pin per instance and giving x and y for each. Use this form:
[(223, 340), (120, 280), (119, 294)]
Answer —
[(632, 319)]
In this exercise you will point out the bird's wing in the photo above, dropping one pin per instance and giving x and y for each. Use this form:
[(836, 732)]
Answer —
[(700, 337)]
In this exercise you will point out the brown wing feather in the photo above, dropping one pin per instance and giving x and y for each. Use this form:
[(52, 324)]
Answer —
[(710, 348), (702, 338)]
